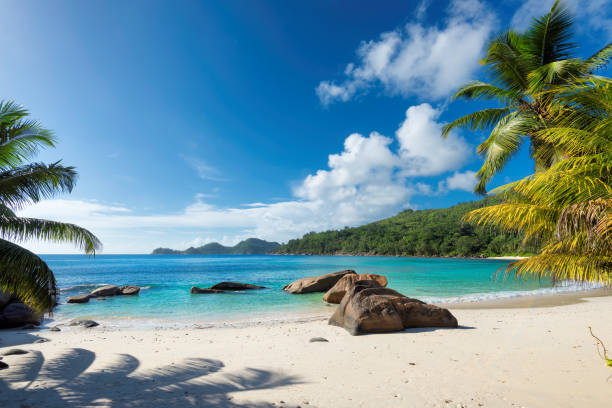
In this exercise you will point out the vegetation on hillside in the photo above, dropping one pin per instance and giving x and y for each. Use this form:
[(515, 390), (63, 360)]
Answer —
[(439, 232), (22, 273), (250, 246)]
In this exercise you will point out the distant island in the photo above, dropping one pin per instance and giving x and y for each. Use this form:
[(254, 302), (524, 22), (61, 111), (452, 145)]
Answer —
[(251, 246), (435, 233)]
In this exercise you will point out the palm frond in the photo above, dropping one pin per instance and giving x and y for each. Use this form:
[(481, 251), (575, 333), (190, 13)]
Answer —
[(478, 120), (483, 90), (548, 38)]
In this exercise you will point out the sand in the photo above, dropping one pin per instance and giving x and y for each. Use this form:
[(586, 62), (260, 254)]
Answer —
[(504, 357)]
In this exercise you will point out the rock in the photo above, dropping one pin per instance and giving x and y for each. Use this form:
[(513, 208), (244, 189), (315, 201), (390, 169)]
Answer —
[(3, 365), (235, 286), (18, 314), (316, 283), (14, 352), (336, 293), (129, 290), (196, 290), (55, 329), (83, 322), (29, 326), (109, 290), (369, 308), (318, 340), (5, 299), (41, 340), (79, 299)]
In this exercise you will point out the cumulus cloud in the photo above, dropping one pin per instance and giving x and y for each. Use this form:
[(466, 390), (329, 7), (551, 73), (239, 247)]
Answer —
[(597, 13), (465, 181), (416, 59), (371, 178)]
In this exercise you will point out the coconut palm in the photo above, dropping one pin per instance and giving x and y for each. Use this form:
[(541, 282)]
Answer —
[(568, 207), (22, 273), (525, 69)]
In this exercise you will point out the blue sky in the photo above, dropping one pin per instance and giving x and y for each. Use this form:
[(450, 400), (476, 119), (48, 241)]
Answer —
[(194, 121)]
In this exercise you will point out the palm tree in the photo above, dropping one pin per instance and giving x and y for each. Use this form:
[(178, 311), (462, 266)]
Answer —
[(568, 207), (22, 273), (526, 69)]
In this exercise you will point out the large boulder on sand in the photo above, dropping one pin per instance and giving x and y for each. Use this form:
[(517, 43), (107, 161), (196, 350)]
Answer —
[(195, 290), (18, 314), (109, 290), (316, 283), (235, 286), (129, 290), (78, 299), (336, 293), (369, 308)]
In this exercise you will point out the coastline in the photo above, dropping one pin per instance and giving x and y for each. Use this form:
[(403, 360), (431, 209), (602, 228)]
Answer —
[(496, 358)]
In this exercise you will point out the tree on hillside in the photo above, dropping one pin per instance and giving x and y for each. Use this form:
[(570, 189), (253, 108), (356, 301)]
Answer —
[(525, 69), (22, 273)]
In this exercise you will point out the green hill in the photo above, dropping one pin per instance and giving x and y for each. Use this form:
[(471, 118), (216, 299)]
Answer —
[(439, 232), (248, 246)]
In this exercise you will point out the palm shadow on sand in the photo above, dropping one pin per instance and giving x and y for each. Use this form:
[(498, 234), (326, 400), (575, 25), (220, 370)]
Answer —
[(68, 383)]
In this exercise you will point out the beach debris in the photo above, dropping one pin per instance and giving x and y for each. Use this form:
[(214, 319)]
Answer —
[(41, 340), (321, 283), (14, 352), (17, 314), (337, 292), (601, 350), (129, 290), (79, 299), (318, 340), (108, 290), (55, 329), (3, 365), (83, 322), (236, 286), (369, 308)]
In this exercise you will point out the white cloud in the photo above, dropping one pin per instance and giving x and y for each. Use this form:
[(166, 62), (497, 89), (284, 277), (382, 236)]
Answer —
[(203, 169), (418, 60), (465, 181), (370, 179), (597, 13)]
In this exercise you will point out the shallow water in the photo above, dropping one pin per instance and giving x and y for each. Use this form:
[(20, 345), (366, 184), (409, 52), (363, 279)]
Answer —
[(167, 279)]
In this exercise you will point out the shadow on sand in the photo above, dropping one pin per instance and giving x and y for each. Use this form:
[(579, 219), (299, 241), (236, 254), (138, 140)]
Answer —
[(32, 381)]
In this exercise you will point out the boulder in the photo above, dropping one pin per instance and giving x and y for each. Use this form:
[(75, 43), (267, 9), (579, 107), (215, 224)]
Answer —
[(109, 290), (336, 293), (55, 329), (14, 352), (195, 290), (18, 314), (3, 365), (235, 286), (79, 299), (83, 322), (5, 299), (129, 290), (316, 283), (369, 308)]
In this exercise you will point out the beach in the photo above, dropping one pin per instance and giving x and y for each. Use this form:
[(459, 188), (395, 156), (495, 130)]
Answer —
[(499, 357)]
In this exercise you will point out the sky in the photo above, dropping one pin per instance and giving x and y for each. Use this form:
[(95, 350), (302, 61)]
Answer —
[(198, 121)]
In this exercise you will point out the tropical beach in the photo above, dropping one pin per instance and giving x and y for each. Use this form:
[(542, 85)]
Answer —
[(171, 235)]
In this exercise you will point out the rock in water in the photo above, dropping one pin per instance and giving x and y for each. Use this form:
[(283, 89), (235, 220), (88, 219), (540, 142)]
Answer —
[(3, 365), (337, 292), (129, 290), (369, 308), (79, 299), (18, 314), (195, 290), (235, 286), (83, 322), (316, 283), (109, 290), (14, 352), (318, 340)]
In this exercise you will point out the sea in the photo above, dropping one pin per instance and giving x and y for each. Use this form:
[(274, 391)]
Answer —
[(165, 298)]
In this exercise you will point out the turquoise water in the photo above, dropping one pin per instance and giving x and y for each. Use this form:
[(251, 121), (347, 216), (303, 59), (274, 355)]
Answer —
[(167, 279)]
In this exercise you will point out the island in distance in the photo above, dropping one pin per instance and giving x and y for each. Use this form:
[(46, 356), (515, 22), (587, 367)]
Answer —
[(251, 246)]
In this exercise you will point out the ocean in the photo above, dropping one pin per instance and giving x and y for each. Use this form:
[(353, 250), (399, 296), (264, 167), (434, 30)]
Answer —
[(166, 280)]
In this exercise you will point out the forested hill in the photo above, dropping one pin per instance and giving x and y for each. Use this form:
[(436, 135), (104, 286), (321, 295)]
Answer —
[(248, 246), (439, 232)]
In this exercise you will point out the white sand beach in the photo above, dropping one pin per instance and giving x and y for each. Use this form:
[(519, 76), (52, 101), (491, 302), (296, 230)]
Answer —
[(515, 357)]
